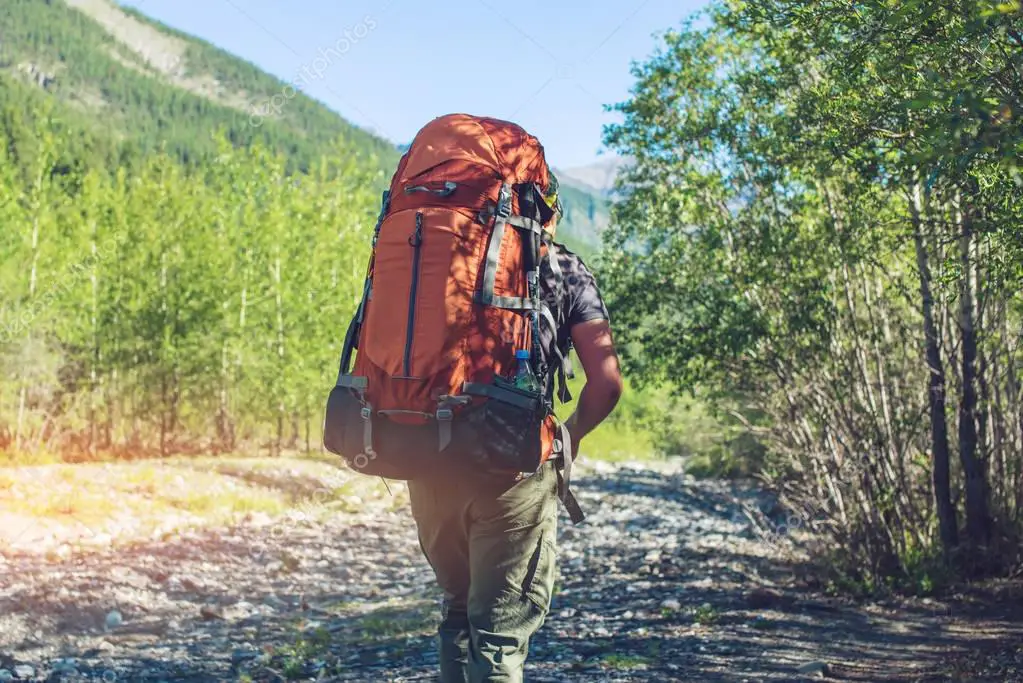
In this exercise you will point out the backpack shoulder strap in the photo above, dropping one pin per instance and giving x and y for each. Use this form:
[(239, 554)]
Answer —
[(560, 366), (351, 342)]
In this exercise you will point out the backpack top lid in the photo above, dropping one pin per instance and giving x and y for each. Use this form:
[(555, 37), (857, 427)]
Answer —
[(504, 147)]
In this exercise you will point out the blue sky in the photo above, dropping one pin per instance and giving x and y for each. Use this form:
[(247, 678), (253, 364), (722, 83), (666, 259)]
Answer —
[(392, 65)]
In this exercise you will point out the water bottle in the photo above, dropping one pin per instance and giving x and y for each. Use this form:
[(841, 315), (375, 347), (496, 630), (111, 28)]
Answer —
[(524, 376)]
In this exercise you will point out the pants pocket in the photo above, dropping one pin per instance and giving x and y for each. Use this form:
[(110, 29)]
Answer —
[(538, 586)]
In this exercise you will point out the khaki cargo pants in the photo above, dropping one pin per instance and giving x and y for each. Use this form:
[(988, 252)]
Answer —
[(491, 544)]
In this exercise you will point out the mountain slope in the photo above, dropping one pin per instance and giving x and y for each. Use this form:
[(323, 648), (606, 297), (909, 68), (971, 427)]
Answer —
[(586, 216), (131, 85), (597, 178), (151, 87)]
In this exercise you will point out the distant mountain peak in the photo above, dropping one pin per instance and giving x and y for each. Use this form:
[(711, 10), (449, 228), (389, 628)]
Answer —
[(598, 177)]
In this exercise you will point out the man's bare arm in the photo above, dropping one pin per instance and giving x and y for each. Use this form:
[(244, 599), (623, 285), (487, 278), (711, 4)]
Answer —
[(595, 348)]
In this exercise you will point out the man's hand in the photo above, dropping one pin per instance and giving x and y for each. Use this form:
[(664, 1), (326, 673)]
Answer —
[(595, 348)]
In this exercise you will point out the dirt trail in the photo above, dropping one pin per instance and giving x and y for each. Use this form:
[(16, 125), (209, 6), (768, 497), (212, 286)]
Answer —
[(666, 581)]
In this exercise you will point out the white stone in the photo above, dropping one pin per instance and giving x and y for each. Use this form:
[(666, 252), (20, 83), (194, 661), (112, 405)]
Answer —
[(114, 619)]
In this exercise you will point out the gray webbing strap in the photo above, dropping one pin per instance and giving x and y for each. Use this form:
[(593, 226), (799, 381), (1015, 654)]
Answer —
[(356, 382), (563, 466), (367, 432), (501, 213), (564, 364), (499, 394), (525, 223), (444, 417), (514, 302), (569, 370), (548, 317), (564, 395)]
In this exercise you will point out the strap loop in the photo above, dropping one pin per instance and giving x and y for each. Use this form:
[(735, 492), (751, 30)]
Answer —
[(444, 417), (501, 213), (356, 382), (362, 459)]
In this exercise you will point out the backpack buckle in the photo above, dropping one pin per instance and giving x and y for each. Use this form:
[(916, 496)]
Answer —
[(504, 202), (445, 414)]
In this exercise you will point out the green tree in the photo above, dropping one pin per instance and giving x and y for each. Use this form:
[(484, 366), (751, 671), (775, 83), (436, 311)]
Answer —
[(821, 190)]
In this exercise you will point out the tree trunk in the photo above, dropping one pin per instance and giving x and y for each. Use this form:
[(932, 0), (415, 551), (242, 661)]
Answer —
[(23, 390), (164, 389), (940, 478), (225, 429), (308, 447), (280, 355), (93, 370), (977, 518)]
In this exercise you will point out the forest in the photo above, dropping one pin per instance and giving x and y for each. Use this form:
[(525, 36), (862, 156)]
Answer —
[(175, 308), (824, 219)]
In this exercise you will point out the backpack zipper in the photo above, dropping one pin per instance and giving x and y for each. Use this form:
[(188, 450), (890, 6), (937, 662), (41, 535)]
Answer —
[(415, 241)]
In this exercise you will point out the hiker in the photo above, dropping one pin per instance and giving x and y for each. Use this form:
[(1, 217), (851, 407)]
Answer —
[(467, 319)]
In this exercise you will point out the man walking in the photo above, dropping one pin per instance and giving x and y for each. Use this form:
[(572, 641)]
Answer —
[(491, 539), (469, 310)]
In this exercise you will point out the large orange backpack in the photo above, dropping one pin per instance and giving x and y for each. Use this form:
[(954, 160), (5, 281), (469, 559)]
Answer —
[(452, 291)]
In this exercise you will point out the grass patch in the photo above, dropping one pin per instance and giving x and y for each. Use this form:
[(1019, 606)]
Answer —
[(7, 482), (621, 662), (146, 499), (655, 422), (705, 615), (395, 618), (307, 646), (11, 458)]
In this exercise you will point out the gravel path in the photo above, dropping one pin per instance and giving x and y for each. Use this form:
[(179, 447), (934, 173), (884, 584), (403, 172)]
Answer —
[(666, 581)]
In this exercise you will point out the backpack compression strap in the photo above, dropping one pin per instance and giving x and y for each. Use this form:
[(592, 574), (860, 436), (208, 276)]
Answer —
[(563, 466)]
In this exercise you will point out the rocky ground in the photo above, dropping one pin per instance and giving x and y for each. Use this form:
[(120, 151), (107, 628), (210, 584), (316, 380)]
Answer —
[(667, 580)]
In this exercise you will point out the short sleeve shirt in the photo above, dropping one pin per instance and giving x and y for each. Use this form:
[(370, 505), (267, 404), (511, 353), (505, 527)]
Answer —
[(582, 300)]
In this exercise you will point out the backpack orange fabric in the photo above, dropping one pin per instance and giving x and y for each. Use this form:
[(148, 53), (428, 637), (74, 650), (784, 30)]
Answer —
[(452, 291), (426, 331)]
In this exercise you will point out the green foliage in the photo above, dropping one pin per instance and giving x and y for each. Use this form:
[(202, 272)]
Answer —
[(705, 614), (651, 422), (814, 182), (623, 662), (626, 434), (178, 301)]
